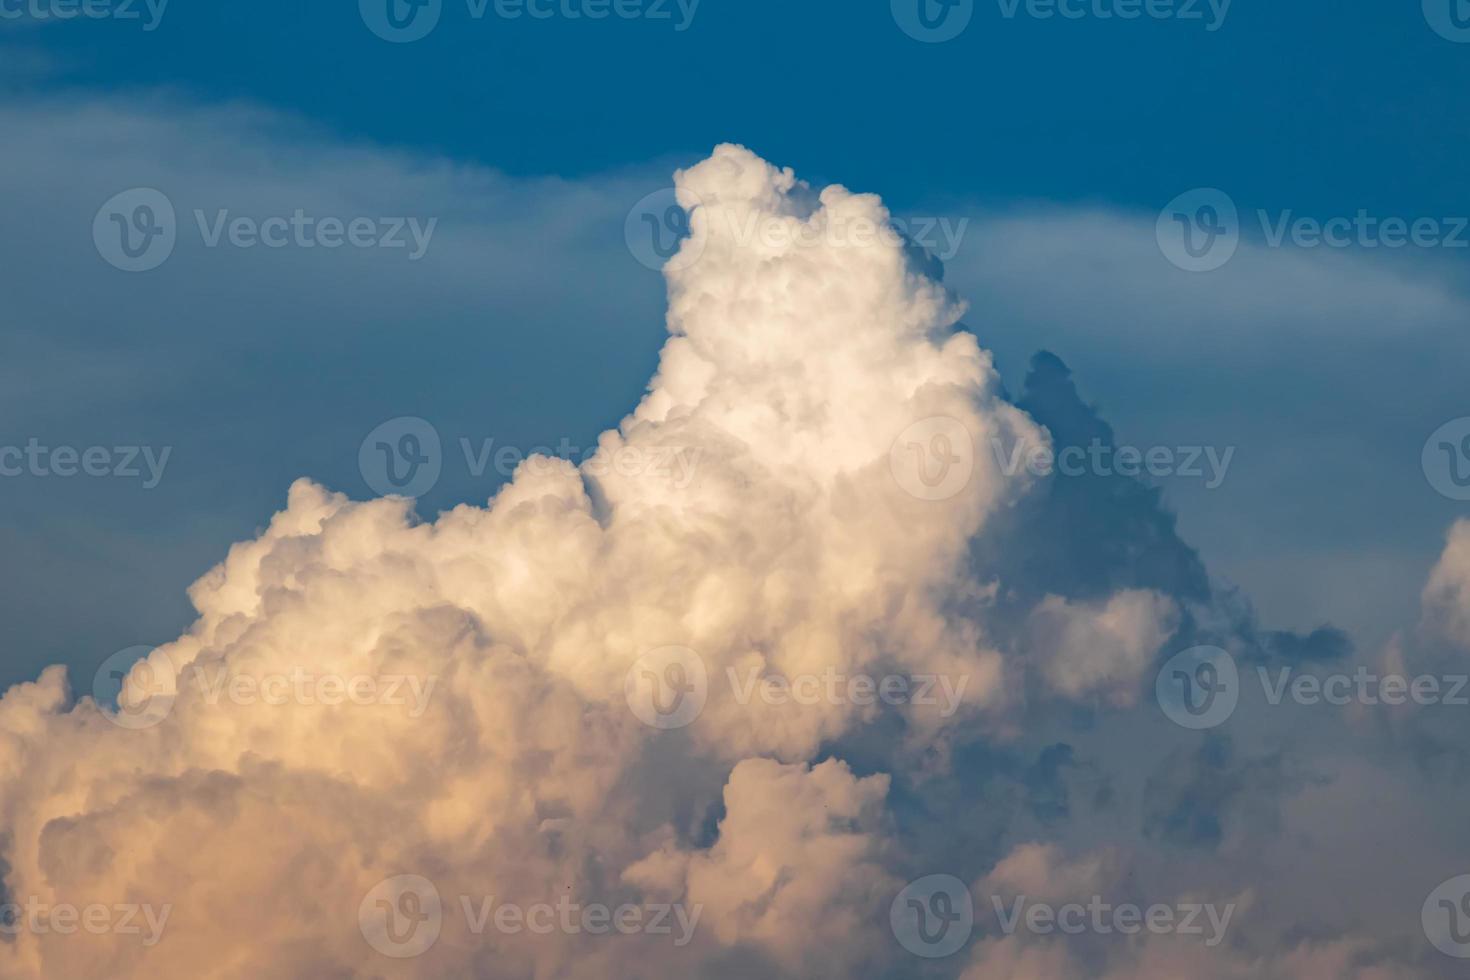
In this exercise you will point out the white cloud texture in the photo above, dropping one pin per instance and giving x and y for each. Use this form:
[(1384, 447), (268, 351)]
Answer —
[(844, 471), (794, 368)]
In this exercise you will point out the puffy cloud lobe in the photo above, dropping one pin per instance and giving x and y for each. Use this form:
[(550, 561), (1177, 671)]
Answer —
[(1101, 648), (794, 364), (797, 868), (1447, 593)]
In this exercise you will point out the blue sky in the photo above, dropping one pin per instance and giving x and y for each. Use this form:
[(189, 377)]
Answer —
[(1319, 106)]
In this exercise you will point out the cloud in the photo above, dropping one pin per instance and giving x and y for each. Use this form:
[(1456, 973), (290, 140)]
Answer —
[(794, 369), (1101, 648), (846, 526)]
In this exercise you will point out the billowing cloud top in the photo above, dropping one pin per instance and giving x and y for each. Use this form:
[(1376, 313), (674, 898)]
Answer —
[(750, 705)]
